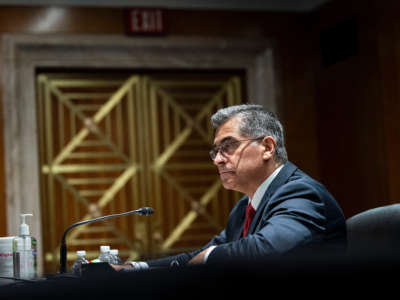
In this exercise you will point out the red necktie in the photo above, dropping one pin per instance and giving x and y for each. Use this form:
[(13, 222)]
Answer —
[(250, 212)]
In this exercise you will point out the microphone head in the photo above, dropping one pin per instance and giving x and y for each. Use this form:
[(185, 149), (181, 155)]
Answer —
[(145, 211)]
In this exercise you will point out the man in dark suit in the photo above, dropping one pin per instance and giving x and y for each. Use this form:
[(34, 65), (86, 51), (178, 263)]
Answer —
[(284, 210)]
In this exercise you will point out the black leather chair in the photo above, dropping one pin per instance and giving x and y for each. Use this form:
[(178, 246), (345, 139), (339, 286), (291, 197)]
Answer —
[(373, 230)]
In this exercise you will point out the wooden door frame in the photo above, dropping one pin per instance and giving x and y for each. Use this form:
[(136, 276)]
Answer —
[(23, 54)]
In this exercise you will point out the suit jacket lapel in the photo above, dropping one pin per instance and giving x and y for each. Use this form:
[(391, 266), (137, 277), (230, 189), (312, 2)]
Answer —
[(279, 180)]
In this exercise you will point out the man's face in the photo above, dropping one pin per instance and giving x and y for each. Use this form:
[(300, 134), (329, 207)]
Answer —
[(241, 168)]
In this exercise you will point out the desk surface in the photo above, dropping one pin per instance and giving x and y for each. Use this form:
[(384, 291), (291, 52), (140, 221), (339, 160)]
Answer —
[(292, 277)]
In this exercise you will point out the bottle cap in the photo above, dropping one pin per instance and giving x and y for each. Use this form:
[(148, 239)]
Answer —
[(104, 249), (23, 227), (81, 253)]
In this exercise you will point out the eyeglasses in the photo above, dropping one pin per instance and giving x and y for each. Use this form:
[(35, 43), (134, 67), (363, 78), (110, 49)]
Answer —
[(228, 148)]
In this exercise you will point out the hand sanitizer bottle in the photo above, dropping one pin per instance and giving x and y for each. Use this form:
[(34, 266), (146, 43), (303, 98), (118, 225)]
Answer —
[(24, 252)]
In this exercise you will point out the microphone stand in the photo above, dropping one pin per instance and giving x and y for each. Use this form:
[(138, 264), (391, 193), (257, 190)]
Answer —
[(145, 211)]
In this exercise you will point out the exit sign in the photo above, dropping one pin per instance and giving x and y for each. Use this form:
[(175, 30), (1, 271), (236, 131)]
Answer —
[(145, 21)]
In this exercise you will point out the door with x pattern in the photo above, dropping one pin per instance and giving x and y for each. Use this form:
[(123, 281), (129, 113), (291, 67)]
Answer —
[(114, 142)]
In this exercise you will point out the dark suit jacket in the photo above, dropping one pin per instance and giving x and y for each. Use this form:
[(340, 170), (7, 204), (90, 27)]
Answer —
[(296, 212)]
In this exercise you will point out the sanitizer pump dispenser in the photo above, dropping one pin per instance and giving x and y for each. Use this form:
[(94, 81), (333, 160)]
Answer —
[(24, 252)]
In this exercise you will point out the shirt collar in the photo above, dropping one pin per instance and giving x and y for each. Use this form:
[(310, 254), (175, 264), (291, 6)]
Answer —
[(258, 195)]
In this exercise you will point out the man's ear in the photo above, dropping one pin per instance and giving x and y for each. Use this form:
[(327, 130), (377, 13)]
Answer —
[(269, 145)]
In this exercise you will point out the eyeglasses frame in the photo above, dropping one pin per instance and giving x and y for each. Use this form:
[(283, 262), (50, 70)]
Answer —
[(218, 149)]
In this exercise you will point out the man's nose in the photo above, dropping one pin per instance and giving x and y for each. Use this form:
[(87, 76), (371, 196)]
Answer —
[(219, 159)]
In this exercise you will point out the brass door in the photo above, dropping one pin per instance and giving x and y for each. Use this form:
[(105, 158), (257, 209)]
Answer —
[(116, 142)]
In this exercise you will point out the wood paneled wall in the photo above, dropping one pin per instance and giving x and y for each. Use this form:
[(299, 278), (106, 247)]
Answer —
[(357, 104), (388, 49)]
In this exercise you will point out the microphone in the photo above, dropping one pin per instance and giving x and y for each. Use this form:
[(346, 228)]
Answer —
[(144, 211)]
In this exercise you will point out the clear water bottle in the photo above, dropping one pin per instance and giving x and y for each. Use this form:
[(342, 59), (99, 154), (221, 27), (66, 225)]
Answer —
[(105, 254), (77, 266), (115, 258)]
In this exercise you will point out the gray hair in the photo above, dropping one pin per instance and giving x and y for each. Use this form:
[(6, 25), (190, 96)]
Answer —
[(255, 122)]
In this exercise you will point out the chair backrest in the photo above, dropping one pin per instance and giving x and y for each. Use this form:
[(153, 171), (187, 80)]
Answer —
[(375, 229)]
